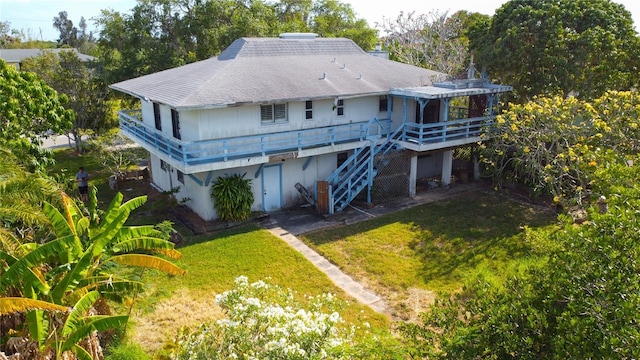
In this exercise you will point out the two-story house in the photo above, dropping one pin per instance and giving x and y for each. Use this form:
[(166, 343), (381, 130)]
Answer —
[(300, 114)]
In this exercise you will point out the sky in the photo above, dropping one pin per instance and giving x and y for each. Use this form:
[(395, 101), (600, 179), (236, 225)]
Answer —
[(35, 17)]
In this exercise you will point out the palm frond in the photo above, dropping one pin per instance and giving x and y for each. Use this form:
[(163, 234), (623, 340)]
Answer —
[(99, 323), (80, 310), (10, 305), (129, 232), (62, 225), (146, 243), (148, 261)]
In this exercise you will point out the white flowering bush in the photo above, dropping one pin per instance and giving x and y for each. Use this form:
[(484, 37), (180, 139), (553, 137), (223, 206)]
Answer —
[(267, 322)]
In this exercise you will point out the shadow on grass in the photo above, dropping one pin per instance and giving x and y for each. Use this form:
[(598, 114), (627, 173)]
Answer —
[(444, 238)]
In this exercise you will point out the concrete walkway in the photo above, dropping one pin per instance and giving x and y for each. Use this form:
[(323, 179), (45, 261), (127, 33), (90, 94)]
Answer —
[(287, 224)]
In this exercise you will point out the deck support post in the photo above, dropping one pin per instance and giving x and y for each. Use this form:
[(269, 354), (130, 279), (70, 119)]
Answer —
[(413, 176), (447, 165)]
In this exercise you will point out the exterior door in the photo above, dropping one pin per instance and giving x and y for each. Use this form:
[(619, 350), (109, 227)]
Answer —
[(272, 187)]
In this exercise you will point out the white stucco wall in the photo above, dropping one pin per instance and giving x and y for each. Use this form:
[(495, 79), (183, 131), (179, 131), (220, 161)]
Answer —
[(320, 167), (244, 120)]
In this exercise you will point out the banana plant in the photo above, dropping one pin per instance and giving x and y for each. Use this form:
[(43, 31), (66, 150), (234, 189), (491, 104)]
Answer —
[(78, 262), (80, 324)]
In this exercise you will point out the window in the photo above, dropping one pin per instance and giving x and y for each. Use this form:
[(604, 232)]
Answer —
[(156, 115), (180, 176), (164, 166), (383, 103), (308, 110), (340, 107), (175, 123), (272, 113)]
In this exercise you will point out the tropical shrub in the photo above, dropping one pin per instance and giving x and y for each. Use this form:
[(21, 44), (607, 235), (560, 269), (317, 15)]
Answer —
[(267, 322), (75, 272), (581, 303), (232, 197), (554, 145)]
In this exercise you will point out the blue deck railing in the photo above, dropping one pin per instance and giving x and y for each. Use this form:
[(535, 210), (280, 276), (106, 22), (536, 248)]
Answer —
[(442, 132), (219, 150)]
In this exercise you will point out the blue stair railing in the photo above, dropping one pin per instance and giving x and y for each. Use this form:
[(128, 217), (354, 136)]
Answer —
[(358, 171)]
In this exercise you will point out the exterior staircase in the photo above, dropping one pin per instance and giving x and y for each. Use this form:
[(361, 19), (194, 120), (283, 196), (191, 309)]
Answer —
[(358, 171)]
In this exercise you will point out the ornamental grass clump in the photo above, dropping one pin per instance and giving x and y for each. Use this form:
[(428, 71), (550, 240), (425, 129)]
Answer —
[(267, 322), (232, 197)]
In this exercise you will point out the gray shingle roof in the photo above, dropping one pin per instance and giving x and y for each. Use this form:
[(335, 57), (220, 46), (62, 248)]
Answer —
[(256, 70), (17, 55)]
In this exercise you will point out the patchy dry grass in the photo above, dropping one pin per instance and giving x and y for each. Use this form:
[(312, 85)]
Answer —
[(153, 329)]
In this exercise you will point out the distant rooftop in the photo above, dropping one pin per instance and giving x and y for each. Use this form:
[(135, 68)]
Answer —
[(18, 55)]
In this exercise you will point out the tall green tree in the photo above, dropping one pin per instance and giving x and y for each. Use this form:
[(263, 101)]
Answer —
[(161, 34), (555, 145), (332, 18), (560, 47), (28, 109), (87, 93), (72, 36)]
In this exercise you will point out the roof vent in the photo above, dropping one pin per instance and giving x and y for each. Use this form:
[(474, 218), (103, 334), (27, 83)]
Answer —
[(298, 36)]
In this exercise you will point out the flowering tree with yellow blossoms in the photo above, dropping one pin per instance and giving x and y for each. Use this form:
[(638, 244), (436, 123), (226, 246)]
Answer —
[(554, 145)]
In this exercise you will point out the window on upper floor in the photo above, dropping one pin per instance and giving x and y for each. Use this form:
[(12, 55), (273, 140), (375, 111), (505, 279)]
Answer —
[(340, 107), (383, 103), (156, 116), (175, 123), (273, 113), (180, 176), (308, 110)]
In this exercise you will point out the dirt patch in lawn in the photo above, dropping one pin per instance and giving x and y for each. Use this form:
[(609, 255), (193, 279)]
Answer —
[(152, 330)]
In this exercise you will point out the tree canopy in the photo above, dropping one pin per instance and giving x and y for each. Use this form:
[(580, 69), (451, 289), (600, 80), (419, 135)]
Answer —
[(86, 91), (559, 47), (72, 36), (434, 41), (158, 34), (579, 295), (29, 108)]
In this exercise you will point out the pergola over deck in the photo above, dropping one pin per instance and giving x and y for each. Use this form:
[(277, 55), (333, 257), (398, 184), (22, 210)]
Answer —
[(453, 125)]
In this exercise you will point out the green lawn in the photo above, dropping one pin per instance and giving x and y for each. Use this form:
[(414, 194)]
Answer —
[(435, 247), (214, 261), (407, 257)]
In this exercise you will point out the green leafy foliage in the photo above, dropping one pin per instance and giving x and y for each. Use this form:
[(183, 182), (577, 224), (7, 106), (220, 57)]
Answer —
[(555, 145), (232, 197), (545, 47), (75, 269), (582, 301), (171, 34), (86, 91), (28, 109)]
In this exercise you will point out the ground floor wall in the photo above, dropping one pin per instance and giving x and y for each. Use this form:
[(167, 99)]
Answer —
[(272, 184), (429, 165)]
